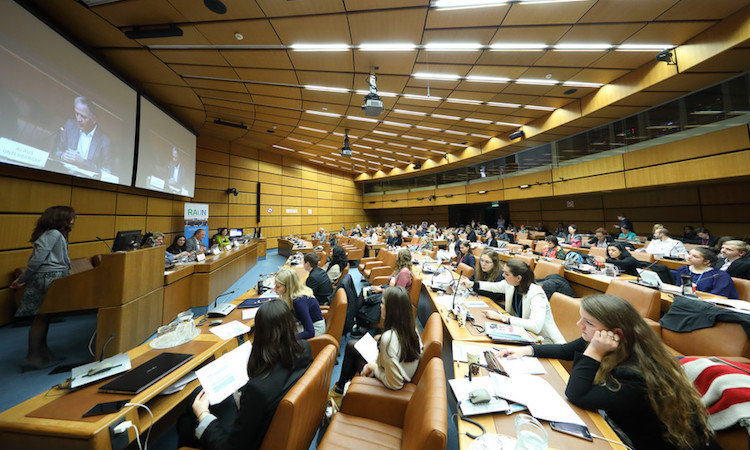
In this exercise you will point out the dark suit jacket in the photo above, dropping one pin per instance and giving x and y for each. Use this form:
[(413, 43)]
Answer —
[(258, 403), (320, 284), (471, 237), (469, 260), (740, 268), (99, 150), (180, 180), (395, 241)]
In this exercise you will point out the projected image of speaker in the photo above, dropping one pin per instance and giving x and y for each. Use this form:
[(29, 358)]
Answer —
[(60, 110)]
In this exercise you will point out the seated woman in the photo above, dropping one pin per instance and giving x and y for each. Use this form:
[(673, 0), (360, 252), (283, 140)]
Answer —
[(491, 238), (561, 232), (402, 273), (425, 243), (621, 258), (490, 269), (221, 237), (332, 239), (627, 235), (601, 238), (300, 300), (706, 278), (337, 265), (553, 249), (276, 362), (621, 366), (525, 301), (400, 348), (178, 246), (503, 236), (572, 234), (465, 256)]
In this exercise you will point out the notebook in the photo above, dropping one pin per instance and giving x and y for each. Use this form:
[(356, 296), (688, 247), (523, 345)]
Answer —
[(148, 373)]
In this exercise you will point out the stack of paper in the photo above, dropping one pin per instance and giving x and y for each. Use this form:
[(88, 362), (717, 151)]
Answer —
[(510, 334)]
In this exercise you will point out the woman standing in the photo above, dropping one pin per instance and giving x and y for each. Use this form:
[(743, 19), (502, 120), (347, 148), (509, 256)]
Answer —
[(622, 367), (300, 300), (276, 363), (48, 262), (525, 301), (400, 348)]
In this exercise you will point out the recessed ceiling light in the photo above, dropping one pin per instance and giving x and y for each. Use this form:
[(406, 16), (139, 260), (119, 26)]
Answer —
[(396, 124), (436, 76), (422, 127), (299, 140), (516, 46), (373, 140), (387, 47), (422, 97), (435, 141), (396, 144), (326, 89), (504, 105), (484, 121), (465, 4), (482, 136), (465, 101), (582, 84), (406, 136), (316, 130), (386, 133), (443, 116), (406, 111), (540, 108), (322, 113), (537, 81), (583, 47), (510, 124), (319, 47), (461, 133), (362, 119), (642, 47), (485, 79), (452, 46), (306, 153), (360, 146), (283, 148), (457, 145)]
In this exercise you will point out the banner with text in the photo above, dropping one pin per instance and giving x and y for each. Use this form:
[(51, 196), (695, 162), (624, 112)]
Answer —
[(196, 217)]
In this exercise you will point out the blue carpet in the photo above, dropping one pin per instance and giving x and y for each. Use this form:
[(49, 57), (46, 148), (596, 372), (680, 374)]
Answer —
[(70, 338)]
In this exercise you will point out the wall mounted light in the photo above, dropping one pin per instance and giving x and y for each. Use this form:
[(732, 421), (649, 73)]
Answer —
[(524, 186)]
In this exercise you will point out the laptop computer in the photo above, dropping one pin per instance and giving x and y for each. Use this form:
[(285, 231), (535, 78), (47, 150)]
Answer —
[(148, 373)]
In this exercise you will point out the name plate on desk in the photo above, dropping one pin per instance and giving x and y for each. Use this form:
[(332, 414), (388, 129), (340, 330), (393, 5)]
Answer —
[(200, 257), (228, 247), (216, 251)]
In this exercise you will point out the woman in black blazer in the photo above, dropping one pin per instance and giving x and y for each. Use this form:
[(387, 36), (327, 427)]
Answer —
[(621, 258), (277, 361)]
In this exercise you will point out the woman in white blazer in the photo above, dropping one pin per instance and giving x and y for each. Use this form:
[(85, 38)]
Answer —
[(525, 301)]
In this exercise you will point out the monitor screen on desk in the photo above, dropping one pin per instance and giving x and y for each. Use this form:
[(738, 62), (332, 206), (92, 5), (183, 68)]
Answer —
[(127, 240), (235, 232)]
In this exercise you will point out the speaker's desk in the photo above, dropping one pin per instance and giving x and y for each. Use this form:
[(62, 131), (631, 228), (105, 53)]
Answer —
[(287, 247)]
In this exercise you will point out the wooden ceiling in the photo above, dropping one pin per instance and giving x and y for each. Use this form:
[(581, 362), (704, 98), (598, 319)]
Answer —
[(278, 92)]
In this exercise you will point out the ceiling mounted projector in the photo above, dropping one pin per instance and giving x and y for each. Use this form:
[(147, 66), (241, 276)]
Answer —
[(346, 150), (373, 103)]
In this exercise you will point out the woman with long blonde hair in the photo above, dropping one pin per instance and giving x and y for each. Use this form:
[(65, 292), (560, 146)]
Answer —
[(622, 367), (299, 298)]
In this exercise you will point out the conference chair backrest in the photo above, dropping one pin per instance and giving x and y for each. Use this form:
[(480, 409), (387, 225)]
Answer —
[(645, 300), (477, 251), (432, 341), (465, 269), (527, 259), (528, 242), (315, 242), (389, 258), (337, 315), (426, 419), (414, 241), (566, 311), (343, 272), (321, 341), (643, 256), (743, 288), (520, 236), (415, 291), (299, 413), (322, 258), (598, 251), (689, 247), (540, 246), (545, 268), (722, 339)]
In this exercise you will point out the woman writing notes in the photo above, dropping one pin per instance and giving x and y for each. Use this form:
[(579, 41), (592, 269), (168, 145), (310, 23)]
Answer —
[(399, 348), (276, 362), (524, 300), (48, 262), (621, 367)]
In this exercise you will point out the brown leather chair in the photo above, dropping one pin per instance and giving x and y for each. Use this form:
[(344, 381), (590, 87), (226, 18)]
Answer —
[(424, 425), (531, 262), (343, 274), (566, 311), (643, 256), (366, 393), (598, 251), (299, 413), (364, 261), (544, 268), (514, 247), (646, 301), (465, 269), (415, 291), (521, 235), (335, 317), (523, 242), (540, 246), (743, 288), (724, 339)]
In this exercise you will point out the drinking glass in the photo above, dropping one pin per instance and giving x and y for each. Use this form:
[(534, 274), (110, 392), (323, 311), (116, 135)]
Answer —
[(530, 433)]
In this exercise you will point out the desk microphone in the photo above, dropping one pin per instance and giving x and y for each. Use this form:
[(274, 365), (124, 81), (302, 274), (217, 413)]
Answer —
[(455, 290), (105, 243), (104, 347), (222, 295), (432, 280)]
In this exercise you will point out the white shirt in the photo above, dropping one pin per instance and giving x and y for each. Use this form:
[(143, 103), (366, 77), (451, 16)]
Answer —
[(726, 265), (668, 247), (84, 143)]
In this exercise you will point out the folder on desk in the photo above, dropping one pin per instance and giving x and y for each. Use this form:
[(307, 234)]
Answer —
[(508, 334)]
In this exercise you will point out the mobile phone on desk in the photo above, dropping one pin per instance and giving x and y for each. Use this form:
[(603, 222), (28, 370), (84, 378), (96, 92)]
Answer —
[(105, 408), (574, 429)]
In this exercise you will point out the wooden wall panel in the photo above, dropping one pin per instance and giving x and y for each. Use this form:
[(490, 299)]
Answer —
[(28, 196)]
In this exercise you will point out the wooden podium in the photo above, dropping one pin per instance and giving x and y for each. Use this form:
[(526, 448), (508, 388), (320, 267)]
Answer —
[(127, 290)]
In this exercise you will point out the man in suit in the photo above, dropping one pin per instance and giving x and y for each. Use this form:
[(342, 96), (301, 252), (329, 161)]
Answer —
[(195, 244), (317, 279), (176, 170), (82, 143), (734, 259)]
